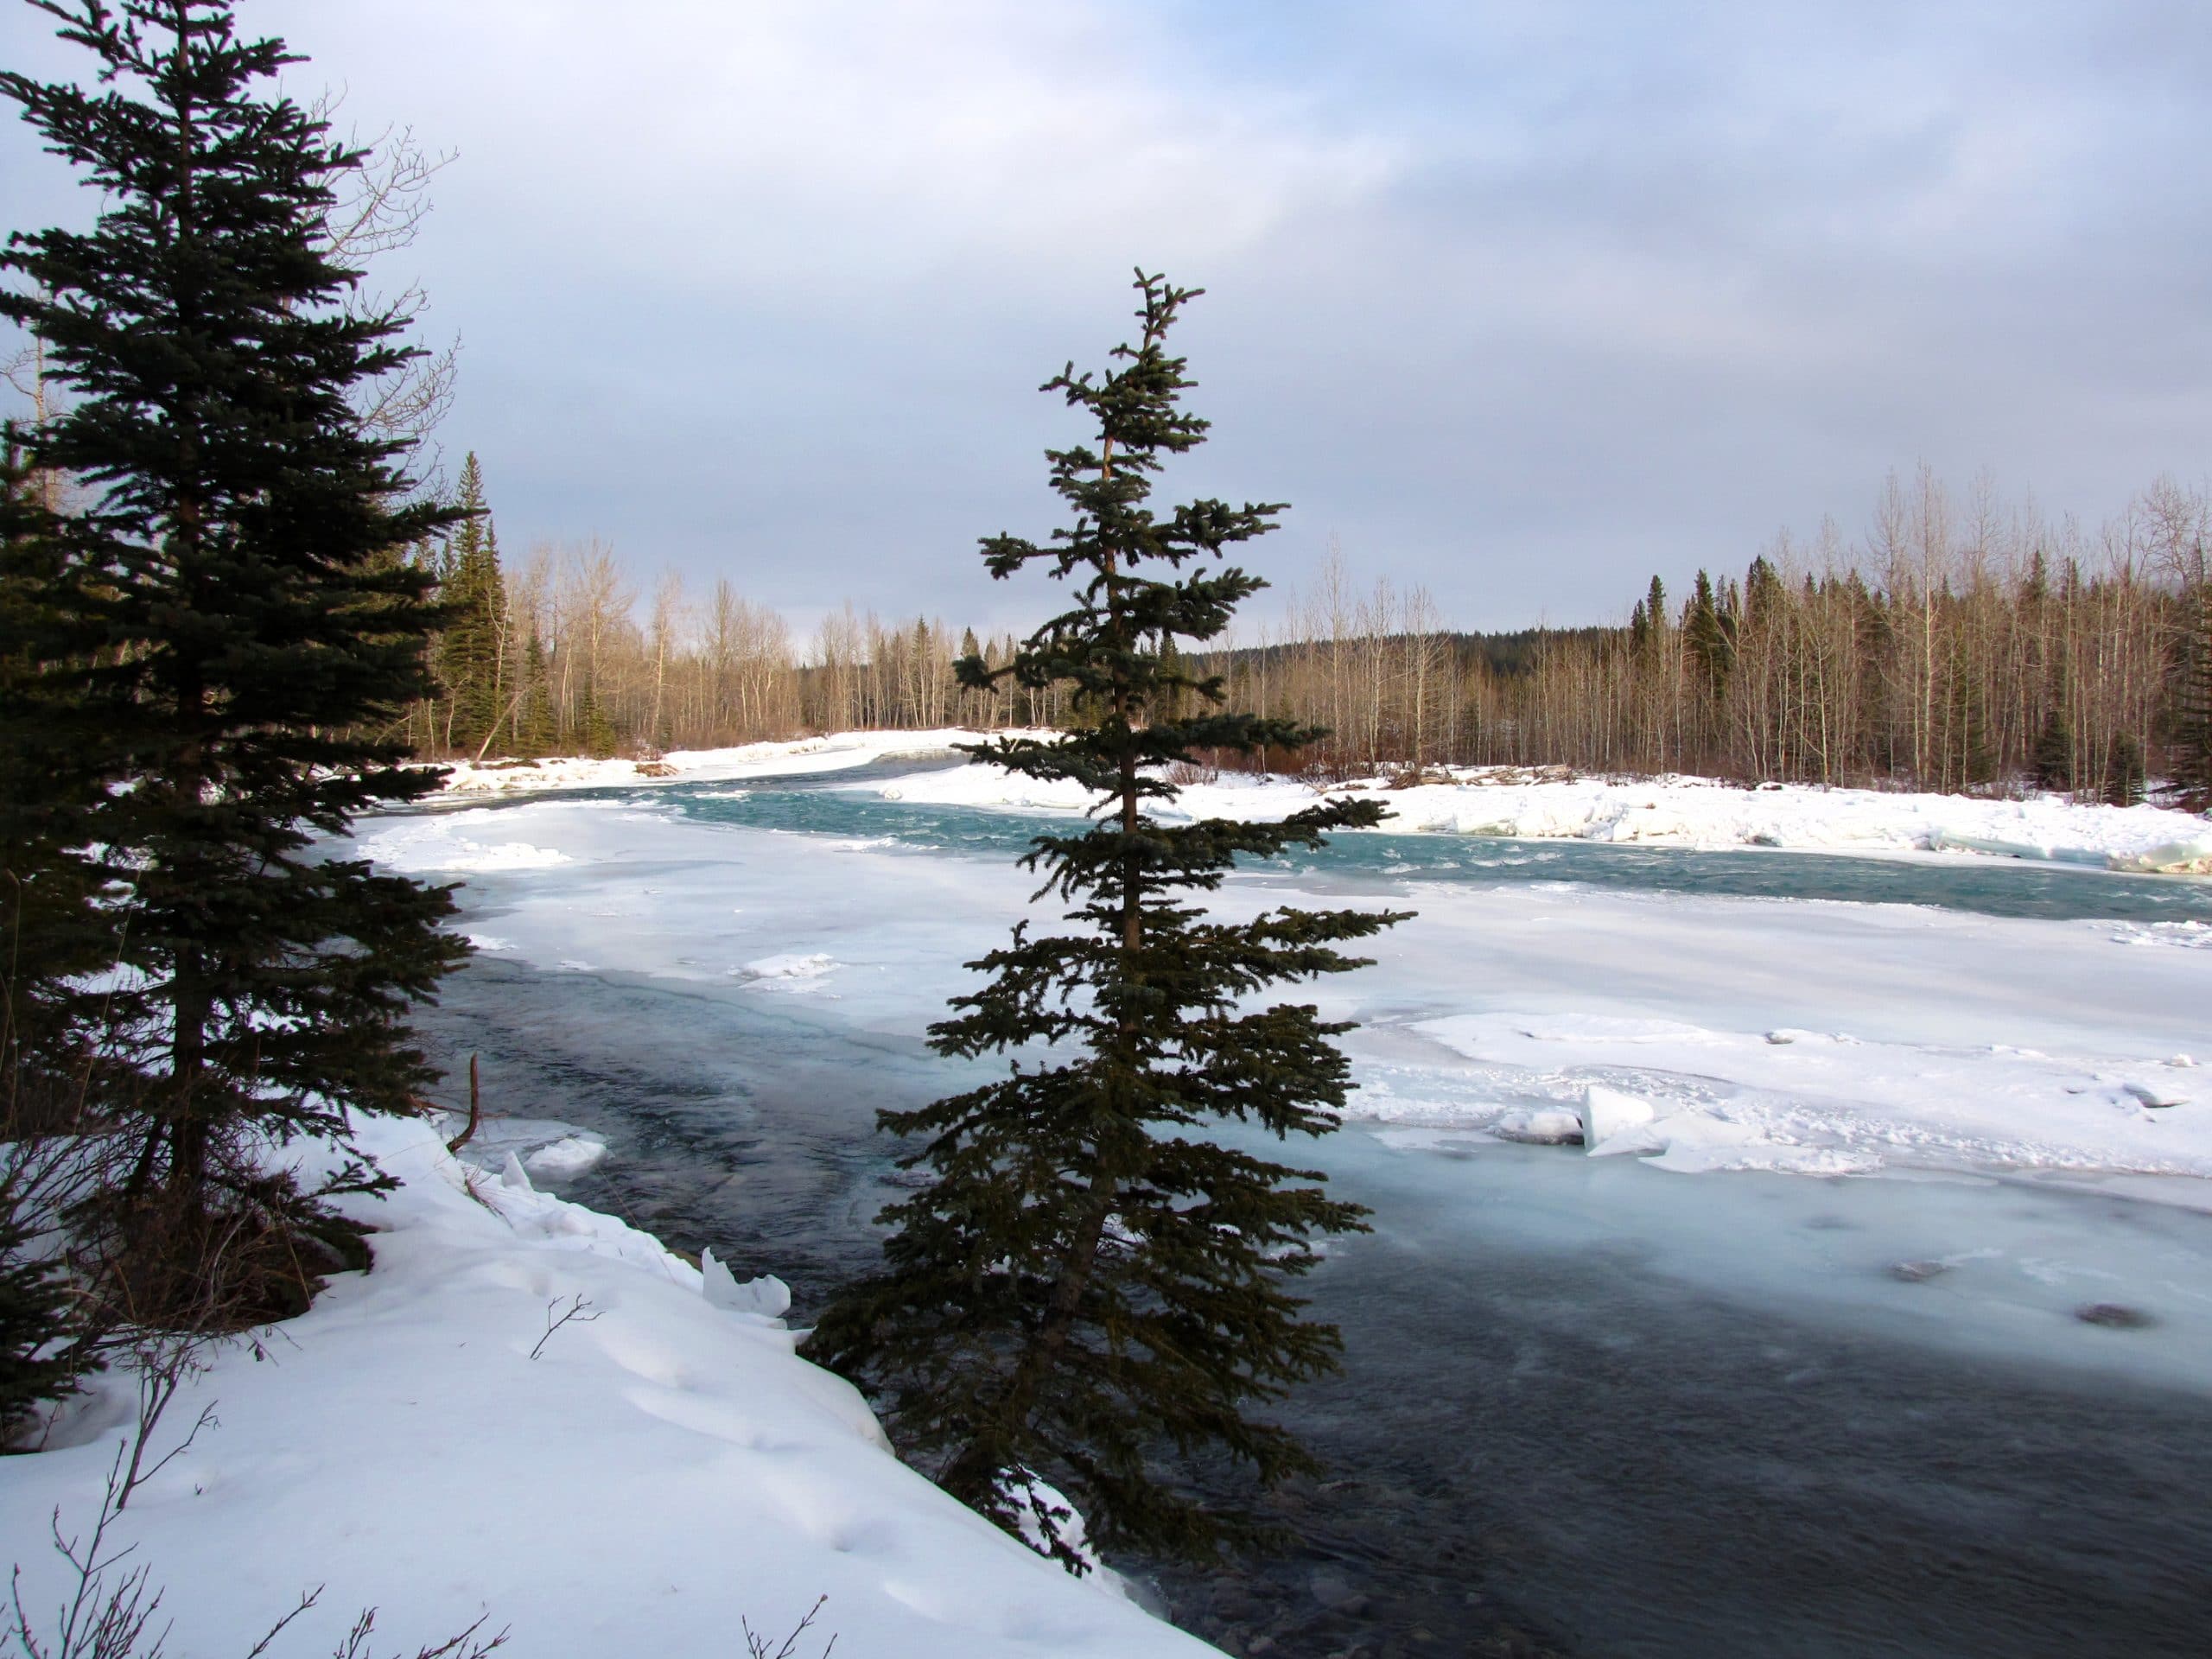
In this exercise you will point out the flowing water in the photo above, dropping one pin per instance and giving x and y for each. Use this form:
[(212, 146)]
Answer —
[(1586, 1409)]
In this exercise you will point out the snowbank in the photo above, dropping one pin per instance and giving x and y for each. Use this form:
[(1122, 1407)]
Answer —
[(810, 755), (1696, 1098), (663, 1467), (1665, 812)]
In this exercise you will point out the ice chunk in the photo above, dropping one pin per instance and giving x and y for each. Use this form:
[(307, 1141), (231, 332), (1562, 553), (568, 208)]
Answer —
[(767, 1296), (2190, 856), (789, 967), (2154, 1094), (572, 1154), (1608, 1112), (1543, 1126), (512, 1173)]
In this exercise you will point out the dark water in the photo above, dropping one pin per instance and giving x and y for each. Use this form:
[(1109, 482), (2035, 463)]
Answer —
[(1543, 1442)]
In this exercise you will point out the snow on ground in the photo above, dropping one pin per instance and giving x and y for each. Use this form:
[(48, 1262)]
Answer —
[(835, 752), (664, 1467), (671, 1467), (1666, 811), (1821, 1038)]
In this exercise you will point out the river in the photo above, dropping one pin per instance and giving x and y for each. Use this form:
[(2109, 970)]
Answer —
[(1587, 1407)]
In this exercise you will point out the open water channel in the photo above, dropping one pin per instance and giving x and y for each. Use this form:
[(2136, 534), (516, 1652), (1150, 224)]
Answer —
[(1586, 1409)]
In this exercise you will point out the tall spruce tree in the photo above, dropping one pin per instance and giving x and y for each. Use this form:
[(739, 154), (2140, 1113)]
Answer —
[(2192, 710), (232, 558), (52, 941), (1091, 1278), (471, 652)]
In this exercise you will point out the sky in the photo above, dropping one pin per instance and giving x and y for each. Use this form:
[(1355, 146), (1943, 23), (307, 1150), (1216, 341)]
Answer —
[(1521, 303)]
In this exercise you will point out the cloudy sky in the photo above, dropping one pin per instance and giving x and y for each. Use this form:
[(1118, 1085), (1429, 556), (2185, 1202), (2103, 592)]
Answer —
[(1519, 301)]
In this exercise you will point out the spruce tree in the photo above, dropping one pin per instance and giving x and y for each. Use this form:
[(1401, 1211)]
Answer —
[(2192, 751), (54, 938), (472, 651), (1708, 639), (1090, 1279), (233, 555), (2053, 757), (534, 727), (40, 1358), (2124, 770)]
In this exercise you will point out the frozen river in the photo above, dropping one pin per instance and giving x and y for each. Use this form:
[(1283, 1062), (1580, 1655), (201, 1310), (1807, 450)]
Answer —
[(1807, 1377)]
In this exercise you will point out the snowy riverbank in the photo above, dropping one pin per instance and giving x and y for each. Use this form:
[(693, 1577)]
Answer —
[(663, 1467), (1485, 801), (1671, 811), (838, 751)]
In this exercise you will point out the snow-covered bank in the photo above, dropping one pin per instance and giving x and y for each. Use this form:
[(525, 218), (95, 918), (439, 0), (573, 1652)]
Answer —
[(664, 1467), (835, 752), (1821, 1038), (1496, 801), (1667, 811)]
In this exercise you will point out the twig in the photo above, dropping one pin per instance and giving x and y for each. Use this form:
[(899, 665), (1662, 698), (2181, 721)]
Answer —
[(579, 1309), (756, 1647), (475, 1110), (307, 1601)]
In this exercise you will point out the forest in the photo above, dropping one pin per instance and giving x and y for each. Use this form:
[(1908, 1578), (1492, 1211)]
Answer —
[(1961, 643)]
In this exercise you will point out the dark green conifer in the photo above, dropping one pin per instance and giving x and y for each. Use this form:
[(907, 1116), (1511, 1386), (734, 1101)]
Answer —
[(233, 555), (41, 1358), (472, 655), (53, 940), (535, 734), (1093, 1280), (2192, 705), (1708, 639), (594, 726), (2124, 770), (2053, 758)]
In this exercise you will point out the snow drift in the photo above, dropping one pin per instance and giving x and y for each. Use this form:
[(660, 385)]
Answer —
[(663, 1467)]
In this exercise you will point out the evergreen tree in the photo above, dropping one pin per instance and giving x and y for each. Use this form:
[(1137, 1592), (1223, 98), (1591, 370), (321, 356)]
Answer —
[(2124, 770), (39, 1359), (1708, 639), (53, 938), (1091, 1278), (472, 650), (535, 734), (2192, 751), (594, 727), (233, 555), (2054, 750)]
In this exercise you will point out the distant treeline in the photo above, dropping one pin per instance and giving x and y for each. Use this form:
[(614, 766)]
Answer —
[(1957, 645)]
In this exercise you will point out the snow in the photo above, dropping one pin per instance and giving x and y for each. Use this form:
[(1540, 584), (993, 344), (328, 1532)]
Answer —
[(449, 846), (1674, 811), (1828, 1037), (1608, 1114), (787, 971), (1538, 1125), (571, 1155), (664, 1467), (669, 1465), (835, 752)]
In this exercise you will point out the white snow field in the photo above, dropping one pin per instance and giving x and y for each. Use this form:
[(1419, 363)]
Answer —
[(2005, 1095), (1829, 1036), (1675, 811), (1711, 1043), (835, 752), (1671, 812), (663, 1468)]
